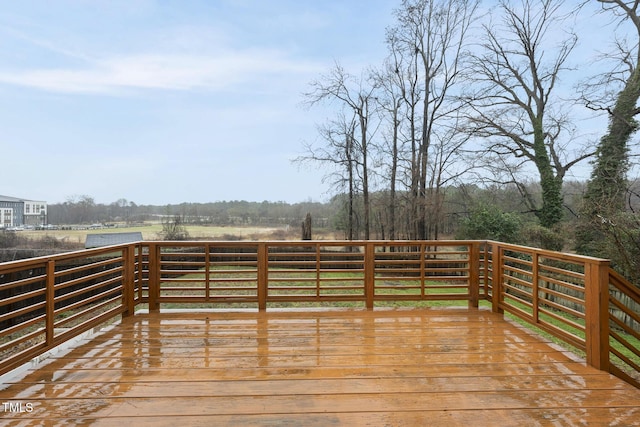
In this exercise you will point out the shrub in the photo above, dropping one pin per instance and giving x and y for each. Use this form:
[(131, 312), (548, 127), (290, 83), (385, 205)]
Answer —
[(541, 237), (174, 229), (489, 223), (8, 239)]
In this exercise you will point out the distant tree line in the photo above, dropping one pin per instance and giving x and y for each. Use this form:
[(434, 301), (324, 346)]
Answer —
[(459, 204), (84, 210)]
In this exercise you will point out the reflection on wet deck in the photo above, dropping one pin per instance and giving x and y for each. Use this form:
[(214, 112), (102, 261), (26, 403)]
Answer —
[(383, 367)]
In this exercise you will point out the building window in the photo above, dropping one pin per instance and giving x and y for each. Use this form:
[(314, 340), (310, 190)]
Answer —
[(6, 216), (27, 208)]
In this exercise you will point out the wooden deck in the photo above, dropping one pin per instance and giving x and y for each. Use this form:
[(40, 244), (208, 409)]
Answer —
[(317, 368)]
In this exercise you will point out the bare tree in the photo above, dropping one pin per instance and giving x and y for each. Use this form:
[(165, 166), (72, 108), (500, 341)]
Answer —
[(515, 78), (448, 164), (391, 107), (426, 44), (358, 98), (336, 151)]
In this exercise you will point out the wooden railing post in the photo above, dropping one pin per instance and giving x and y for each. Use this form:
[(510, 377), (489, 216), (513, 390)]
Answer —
[(50, 302), (535, 286), (597, 313), (474, 274), (263, 275), (207, 271), (154, 276), (496, 277), (128, 280), (369, 273)]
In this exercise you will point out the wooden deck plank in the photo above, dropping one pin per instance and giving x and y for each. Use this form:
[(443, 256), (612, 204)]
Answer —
[(321, 403), (287, 386), (382, 367), (503, 418)]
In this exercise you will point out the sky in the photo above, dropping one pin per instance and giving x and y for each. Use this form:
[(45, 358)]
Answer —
[(171, 101)]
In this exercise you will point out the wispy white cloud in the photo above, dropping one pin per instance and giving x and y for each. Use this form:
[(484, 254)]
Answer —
[(119, 74)]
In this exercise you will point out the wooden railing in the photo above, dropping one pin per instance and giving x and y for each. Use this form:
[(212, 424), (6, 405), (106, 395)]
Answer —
[(46, 301), (577, 299), (49, 300), (312, 272), (624, 333)]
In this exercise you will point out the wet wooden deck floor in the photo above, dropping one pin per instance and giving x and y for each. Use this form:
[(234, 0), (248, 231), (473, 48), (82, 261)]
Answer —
[(374, 368)]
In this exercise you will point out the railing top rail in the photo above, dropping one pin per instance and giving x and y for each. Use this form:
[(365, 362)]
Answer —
[(9, 265), (550, 253), (623, 284), (313, 242), (246, 243)]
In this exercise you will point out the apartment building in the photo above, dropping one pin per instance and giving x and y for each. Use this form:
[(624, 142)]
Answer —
[(16, 212)]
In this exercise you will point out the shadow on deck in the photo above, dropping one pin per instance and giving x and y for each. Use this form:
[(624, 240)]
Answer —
[(317, 368)]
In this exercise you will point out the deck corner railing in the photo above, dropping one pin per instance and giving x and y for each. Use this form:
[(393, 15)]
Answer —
[(579, 300)]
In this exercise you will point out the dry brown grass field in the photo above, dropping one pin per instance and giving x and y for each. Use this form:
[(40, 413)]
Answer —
[(153, 231)]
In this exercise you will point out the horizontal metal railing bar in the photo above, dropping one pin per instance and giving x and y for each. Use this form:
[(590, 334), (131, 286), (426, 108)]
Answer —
[(562, 295), (622, 284), (275, 290), (314, 298), (434, 278), (18, 327), (21, 311), (88, 325), (22, 282), (515, 270), (88, 278), (166, 264), (97, 297), (516, 260), (22, 297), (88, 266), (28, 336), (418, 297), (233, 288), (626, 343), (181, 272), (626, 328), (23, 356), (517, 298), (234, 263), (561, 319), (87, 288), (187, 299), (562, 283), (557, 270), (11, 267), (626, 310), (561, 308), (524, 290), (626, 359), (570, 339), (87, 310)]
